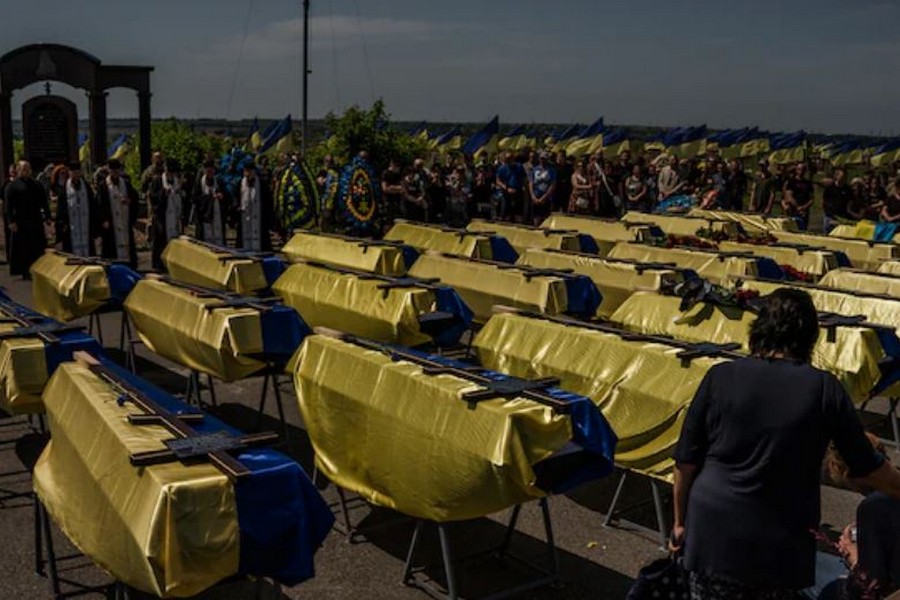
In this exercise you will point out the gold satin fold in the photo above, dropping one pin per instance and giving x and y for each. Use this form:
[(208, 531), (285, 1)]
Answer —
[(642, 388), (862, 254), (169, 530), (605, 232), (815, 262), (710, 265), (752, 223), (863, 281), (66, 292), (482, 285), (521, 237), (615, 280), (346, 302), (353, 254), (683, 225), (23, 372), (191, 262), (852, 357), (889, 267), (431, 237), (407, 441), (177, 325)]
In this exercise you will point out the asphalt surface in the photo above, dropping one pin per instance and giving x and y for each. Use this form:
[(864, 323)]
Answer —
[(595, 561)]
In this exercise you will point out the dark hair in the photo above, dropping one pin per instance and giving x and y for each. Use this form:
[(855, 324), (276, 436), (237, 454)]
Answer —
[(787, 323)]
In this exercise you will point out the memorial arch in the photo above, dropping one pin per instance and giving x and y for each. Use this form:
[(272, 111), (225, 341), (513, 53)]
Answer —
[(53, 62)]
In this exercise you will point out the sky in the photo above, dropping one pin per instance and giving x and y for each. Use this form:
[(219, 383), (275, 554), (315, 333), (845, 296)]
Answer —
[(830, 66)]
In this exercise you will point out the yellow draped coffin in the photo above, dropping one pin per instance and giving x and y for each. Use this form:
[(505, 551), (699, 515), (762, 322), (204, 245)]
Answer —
[(407, 440), (179, 325), (642, 386), (863, 281), (606, 232), (752, 223), (862, 254), (812, 261), (197, 263), (879, 309), (684, 225), (852, 354), (170, 530), (889, 267), (66, 292), (425, 237), (351, 302), (616, 279), (522, 237), (482, 284), (709, 264), (382, 258)]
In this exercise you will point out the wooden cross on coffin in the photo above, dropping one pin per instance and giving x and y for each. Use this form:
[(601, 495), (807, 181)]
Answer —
[(40, 327), (188, 445)]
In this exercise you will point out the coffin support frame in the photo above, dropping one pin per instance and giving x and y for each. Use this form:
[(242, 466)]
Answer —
[(611, 518), (546, 576), (95, 322), (272, 373), (46, 564), (892, 417)]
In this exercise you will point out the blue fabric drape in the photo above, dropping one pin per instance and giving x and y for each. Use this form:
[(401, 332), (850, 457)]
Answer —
[(583, 297), (448, 301), (122, 280), (502, 251), (281, 516), (283, 330), (272, 267), (588, 244)]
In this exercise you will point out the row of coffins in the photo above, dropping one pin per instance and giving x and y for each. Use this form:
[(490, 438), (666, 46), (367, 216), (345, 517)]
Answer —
[(167, 499), (524, 440)]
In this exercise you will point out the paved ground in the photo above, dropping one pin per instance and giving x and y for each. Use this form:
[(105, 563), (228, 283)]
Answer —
[(596, 562)]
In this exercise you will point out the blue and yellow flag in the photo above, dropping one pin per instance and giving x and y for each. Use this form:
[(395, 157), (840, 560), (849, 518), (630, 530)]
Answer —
[(254, 140), (590, 138), (447, 141), (686, 142), (120, 147), (787, 147), (511, 140), (281, 130), (849, 152), (84, 149), (485, 140), (886, 153)]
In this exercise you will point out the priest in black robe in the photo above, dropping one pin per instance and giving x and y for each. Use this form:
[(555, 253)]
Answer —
[(212, 205), (27, 213)]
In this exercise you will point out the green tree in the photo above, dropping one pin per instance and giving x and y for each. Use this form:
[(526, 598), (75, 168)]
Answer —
[(370, 130), (177, 141)]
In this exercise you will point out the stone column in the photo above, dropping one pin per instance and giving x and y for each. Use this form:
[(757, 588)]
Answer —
[(144, 131), (97, 108), (7, 155)]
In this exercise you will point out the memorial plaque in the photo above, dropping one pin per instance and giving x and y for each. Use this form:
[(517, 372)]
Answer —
[(50, 127)]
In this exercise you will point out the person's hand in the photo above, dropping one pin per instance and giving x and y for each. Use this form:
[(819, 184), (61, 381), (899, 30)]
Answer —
[(848, 547), (676, 540), (13, 228), (105, 225)]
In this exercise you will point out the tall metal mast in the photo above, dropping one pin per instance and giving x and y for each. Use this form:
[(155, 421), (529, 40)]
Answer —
[(303, 131)]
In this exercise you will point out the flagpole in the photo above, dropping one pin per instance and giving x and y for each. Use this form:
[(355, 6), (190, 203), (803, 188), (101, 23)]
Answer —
[(303, 130)]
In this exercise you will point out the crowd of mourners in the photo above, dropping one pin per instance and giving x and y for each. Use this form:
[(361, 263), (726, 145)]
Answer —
[(526, 187)]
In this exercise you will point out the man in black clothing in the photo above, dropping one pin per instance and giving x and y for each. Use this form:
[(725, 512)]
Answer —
[(836, 197), (27, 211), (564, 169), (393, 190), (798, 196)]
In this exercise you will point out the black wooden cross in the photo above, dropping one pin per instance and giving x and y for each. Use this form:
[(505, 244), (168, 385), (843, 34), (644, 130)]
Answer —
[(188, 445)]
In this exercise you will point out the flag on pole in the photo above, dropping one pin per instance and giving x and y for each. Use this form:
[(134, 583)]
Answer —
[(484, 140)]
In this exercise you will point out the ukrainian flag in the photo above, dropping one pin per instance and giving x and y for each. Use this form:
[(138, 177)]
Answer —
[(450, 140), (590, 138), (276, 133), (886, 154), (849, 152), (686, 142), (254, 140), (566, 137), (120, 148), (512, 139), (84, 149), (787, 147), (485, 140), (615, 142)]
